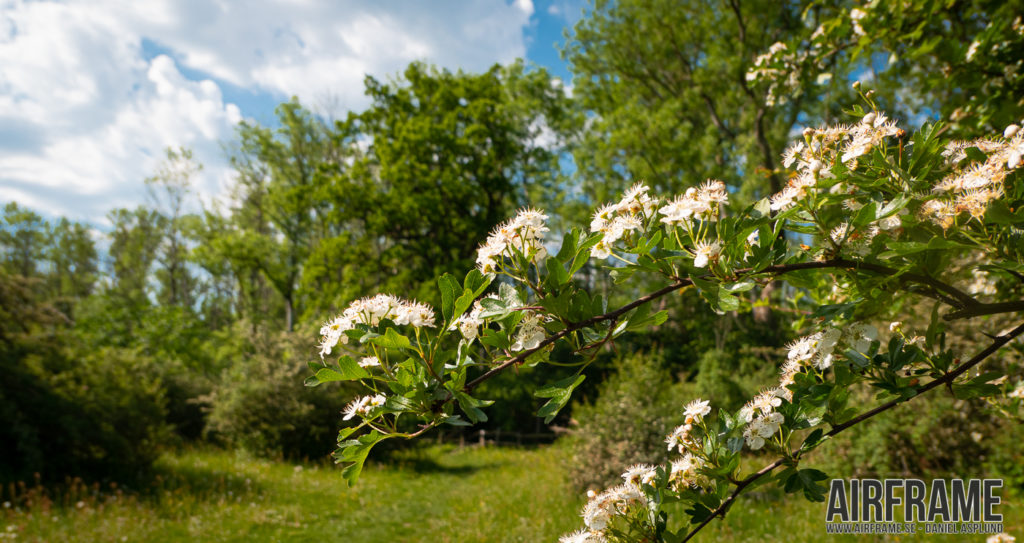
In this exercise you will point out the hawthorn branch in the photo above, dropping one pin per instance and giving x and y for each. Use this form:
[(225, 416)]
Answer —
[(946, 379), (951, 296)]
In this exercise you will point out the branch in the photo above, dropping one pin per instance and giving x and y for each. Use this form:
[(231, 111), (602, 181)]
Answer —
[(948, 378), (956, 298)]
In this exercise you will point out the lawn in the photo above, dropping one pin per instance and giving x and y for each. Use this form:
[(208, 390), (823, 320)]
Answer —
[(436, 494)]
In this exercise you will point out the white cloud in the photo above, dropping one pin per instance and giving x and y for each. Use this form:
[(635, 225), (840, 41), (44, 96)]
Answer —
[(85, 115)]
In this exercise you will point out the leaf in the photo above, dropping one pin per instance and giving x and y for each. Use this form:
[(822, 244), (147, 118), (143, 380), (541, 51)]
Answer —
[(392, 340), (354, 452), (348, 370), (559, 392), (449, 291)]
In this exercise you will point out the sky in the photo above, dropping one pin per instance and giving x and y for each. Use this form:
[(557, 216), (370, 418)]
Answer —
[(92, 92)]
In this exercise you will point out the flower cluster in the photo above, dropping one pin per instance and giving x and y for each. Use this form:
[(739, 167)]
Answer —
[(362, 406), (780, 68), (531, 332), (697, 203), (972, 187), (616, 220), (762, 420), (371, 311), (524, 233)]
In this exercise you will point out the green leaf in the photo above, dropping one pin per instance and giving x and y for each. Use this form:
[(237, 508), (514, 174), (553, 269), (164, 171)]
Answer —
[(348, 370), (450, 289), (354, 452), (559, 392), (392, 340)]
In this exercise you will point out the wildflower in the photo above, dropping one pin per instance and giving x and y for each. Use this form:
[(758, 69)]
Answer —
[(369, 362), (1001, 537), (530, 333), (639, 474), (895, 326), (706, 251), (362, 406), (598, 511), (1017, 392), (696, 411), (371, 311), (862, 336), (680, 438), (523, 233)]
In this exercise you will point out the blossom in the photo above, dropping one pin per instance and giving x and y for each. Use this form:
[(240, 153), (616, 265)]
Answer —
[(701, 203), (680, 438), (1017, 392), (371, 311), (523, 233), (1001, 537), (696, 410), (362, 406), (705, 251), (639, 474), (530, 333), (369, 362)]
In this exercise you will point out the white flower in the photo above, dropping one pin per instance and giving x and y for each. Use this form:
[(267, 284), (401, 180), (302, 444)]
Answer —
[(362, 406), (369, 362), (862, 335), (371, 311), (1011, 131), (706, 251), (638, 475), (680, 438), (525, 233), (1001, 538), (530, 333), (1017, 392), (696, 411), (582, 536), (895, 326)]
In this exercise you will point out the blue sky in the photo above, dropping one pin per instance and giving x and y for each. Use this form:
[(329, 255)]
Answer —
[(93, 91)]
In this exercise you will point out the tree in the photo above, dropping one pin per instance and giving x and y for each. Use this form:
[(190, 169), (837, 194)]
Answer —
[(447, 155), (888, 221), (168, 190)]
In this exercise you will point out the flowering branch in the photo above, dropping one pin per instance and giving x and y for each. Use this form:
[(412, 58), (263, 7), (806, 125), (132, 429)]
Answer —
[(795, 455)]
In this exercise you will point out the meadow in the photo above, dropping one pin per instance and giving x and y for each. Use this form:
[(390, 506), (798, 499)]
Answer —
[(429, 494)]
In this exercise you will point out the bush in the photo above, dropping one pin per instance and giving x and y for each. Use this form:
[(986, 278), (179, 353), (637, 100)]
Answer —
[(100, 418), (635, 409), (66, 410), (261, 404)]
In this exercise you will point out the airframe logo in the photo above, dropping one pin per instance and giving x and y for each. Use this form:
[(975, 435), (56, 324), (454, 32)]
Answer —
[(956, 506)]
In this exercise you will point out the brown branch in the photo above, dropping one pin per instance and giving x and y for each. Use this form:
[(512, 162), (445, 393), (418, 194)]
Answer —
[(946, 379), (986, 309), (956, 298)]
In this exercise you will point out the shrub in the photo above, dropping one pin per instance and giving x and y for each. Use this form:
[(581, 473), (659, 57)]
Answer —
[(636, 407), (261, 404)]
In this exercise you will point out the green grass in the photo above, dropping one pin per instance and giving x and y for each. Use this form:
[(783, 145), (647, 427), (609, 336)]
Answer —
[(436, 494)]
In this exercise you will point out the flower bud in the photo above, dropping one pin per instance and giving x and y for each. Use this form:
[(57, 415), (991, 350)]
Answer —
[(1011, 131), (869, 118), (856, 85), (809, 132), (1014, 161)]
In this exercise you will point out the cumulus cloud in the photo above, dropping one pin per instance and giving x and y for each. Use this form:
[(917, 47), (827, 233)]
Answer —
[(86, 111)]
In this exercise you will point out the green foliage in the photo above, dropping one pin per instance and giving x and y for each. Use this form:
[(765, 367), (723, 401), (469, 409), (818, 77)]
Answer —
[(636, 407), (260, 403), (70, 411)]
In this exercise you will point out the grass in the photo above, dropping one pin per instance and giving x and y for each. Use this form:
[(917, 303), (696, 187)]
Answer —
[(437, 494)]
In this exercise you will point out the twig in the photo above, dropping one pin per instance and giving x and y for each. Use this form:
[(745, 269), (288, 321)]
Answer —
[(946, 379)]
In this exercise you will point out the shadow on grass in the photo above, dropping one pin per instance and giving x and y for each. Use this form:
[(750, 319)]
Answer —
[(427, 465)]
